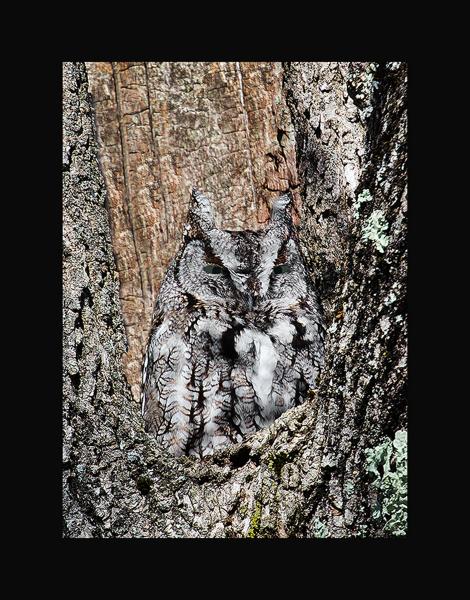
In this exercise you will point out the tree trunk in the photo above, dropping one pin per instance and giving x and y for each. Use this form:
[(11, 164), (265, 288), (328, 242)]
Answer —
[(335, 135)]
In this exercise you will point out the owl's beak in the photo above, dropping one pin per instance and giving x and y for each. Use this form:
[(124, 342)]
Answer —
[(252, 296), (247, 299), (249, 302)]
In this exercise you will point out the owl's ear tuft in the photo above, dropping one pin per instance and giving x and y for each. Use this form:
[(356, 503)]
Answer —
[(281, 210), (200, 220), (197, 196)]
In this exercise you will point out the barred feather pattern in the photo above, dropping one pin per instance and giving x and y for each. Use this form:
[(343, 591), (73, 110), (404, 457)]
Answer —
[(237, 336)]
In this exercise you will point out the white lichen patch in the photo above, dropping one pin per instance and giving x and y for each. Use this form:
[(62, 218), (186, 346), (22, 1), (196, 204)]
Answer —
[(371, 72), (390, 299), (375, 229), (351, 175), (333, 327), (218, 530), (385, 324), (364, 196), (329, 460)]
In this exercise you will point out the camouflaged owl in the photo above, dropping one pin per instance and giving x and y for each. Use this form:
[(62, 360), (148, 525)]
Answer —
[(237, 333)]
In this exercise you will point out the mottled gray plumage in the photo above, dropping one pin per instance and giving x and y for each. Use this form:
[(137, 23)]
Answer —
[(237, 333)]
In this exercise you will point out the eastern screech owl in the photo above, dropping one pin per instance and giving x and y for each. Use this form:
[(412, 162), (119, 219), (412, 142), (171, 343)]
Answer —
[(237, 333)]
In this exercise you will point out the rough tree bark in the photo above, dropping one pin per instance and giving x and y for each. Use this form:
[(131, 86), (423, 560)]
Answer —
[(335, 134)]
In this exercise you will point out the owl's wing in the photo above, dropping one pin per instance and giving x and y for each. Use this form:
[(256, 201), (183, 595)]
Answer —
[(155, 330), (166, 399), (298, 341), (308, 341), (186, 396)]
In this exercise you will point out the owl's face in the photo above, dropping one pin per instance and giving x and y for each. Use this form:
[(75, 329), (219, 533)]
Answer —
[(243, 268)]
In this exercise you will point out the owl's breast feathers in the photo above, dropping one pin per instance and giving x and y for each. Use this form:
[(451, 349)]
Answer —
[(212, 374)]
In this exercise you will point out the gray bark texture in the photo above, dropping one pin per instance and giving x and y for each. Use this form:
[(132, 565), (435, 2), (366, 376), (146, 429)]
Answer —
[(311, 473)]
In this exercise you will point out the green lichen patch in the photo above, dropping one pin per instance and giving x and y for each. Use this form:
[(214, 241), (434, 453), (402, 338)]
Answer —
[(348, 488), (374, 230), (255, 522), (320, 530), (364, 196), (387, 464), (276, 461)]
